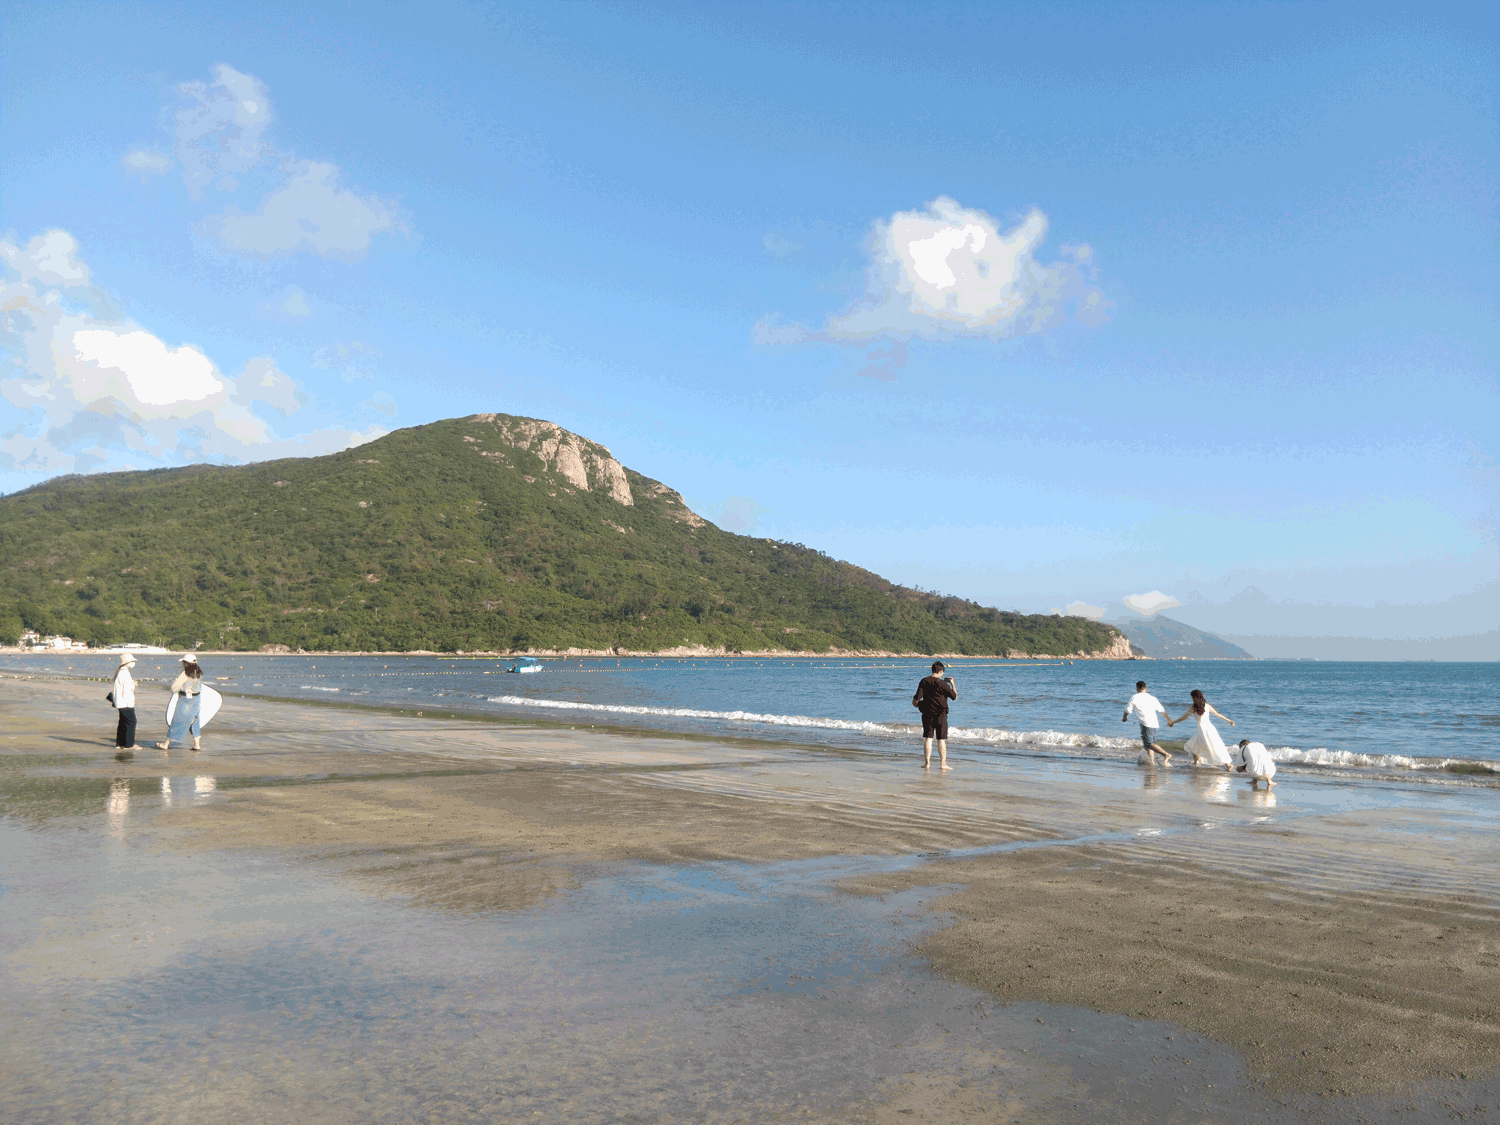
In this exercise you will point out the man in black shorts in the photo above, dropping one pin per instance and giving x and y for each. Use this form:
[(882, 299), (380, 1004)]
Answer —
[(932, 698)]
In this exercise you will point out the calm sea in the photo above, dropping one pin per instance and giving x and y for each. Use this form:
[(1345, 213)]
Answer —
[(1413, 721)]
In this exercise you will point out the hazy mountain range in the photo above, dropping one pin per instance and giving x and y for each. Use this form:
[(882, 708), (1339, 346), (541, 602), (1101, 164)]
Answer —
[(1164, 639)]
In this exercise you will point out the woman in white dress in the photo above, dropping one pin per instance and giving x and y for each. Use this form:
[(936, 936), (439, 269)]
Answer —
[(1206, 744)]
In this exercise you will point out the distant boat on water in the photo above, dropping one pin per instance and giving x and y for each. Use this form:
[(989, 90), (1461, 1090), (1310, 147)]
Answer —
[(525, 664)]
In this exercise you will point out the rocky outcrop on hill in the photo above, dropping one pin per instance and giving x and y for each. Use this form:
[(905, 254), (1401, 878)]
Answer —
[(584, 464)]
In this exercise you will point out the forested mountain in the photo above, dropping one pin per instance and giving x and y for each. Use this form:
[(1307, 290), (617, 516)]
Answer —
[(483, 533)]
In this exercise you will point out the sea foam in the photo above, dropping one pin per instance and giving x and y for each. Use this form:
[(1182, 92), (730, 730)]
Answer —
[(1049, 738)]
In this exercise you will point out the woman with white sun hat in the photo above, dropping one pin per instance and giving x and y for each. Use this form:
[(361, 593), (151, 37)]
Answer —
[(188, 688), (122, 695)]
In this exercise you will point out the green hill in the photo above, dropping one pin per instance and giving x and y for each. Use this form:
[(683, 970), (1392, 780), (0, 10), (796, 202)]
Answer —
[(473, 534)]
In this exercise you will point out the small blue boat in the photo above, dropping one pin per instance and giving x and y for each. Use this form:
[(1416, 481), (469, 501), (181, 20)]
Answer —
[(525, 664)]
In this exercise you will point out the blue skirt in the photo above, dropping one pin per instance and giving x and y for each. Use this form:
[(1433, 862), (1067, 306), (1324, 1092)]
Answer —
[(184, 726)]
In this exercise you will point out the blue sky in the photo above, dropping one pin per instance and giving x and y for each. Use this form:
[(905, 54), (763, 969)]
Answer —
[(1040, 306)]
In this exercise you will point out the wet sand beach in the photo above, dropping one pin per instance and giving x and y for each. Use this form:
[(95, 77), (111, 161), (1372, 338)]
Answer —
[(342, 914)]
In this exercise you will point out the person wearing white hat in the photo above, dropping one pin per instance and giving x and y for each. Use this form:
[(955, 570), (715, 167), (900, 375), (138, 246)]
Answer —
[(123, 697), (188, 687)]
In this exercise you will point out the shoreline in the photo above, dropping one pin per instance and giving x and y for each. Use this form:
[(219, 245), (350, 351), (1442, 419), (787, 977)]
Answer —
[(1106, 748), (1373, 953), (688, 653), (681, 653)]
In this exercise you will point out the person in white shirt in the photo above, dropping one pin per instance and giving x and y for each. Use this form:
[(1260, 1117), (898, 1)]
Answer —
[(1145, 707), (1256, 761), (124, 701)]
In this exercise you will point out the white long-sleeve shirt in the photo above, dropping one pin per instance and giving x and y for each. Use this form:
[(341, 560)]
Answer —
[(1257, 761), (124, 687)]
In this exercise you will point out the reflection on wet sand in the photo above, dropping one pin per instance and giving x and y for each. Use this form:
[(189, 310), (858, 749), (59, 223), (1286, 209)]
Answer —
[(117, 804), (1214, 788), (1258, 798), (117, 797)]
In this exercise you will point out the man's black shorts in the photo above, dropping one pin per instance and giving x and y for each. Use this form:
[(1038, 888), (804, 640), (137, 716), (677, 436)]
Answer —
[(935, 726)]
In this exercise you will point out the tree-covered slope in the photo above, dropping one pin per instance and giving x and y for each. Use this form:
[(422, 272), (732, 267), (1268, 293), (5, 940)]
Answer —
[(490, 532)]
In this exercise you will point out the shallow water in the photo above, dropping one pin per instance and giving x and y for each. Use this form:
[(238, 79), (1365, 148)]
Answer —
[(1439, 722)]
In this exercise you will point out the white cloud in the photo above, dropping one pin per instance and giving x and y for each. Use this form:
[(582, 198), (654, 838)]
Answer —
[(156, 374), (1150, 604), (223, 132), (884, 364), (949, 272), (382, 402), (220, 140), (352, 360), (309, 212), (145, 163), (86, 392), (49, 259), (1083, 609), (294, 303), (263, 382), (291, 306)]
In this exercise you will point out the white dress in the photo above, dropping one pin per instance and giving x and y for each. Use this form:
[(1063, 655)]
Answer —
[(1207, 744)]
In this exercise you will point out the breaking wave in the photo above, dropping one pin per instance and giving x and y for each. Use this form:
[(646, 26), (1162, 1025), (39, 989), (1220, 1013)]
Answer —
[(1350, 759), (1051, 740), (691, 713)]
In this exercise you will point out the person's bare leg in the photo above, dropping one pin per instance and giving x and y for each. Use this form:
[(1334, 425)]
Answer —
[(926, 753), (943, 754)]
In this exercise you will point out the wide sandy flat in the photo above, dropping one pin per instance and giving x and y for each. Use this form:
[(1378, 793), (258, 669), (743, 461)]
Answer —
[(825, 936)]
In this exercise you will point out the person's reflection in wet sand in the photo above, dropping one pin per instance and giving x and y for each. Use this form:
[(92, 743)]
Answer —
[(117, 805), (1258, 798), (202, 787), (1154, 779), (1214, 788), (166, 792)]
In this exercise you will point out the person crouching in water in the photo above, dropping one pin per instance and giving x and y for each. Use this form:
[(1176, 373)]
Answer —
[(931, 699), (1256, 761), (187, 687)]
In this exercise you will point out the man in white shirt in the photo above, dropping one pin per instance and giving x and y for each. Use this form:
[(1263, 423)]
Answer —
[(124, 701), (1145, 707), (1256, 761)]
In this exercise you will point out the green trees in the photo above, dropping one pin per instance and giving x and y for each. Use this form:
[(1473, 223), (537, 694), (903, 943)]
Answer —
[(446, 537)]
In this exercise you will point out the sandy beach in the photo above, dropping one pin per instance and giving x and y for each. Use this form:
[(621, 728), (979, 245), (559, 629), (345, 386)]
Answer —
[(344, 914)]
